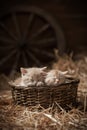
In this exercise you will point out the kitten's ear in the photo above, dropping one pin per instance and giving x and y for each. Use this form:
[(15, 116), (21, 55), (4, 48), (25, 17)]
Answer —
[(44, 68), (23, 70)]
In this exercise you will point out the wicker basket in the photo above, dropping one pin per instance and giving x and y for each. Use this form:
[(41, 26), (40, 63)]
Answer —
[(64, 93)]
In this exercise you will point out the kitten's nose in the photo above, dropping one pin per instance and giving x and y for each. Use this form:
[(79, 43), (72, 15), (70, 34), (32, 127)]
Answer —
[(57, 80)]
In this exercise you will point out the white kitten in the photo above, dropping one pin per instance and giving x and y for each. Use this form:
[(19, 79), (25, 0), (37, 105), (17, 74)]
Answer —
[(33, 76), (53, 77)]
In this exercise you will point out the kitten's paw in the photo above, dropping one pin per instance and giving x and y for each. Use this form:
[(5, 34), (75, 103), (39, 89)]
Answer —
[(51, 81), (30, 84), (40, 84)]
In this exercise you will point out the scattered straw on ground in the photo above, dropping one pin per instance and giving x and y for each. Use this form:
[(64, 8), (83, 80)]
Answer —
[(38, 118)]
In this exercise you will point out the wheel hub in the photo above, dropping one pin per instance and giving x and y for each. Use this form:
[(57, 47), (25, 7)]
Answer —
[(22, 45)]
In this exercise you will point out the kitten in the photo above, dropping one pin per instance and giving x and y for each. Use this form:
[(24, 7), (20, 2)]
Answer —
[(53, 77), (33, 76)]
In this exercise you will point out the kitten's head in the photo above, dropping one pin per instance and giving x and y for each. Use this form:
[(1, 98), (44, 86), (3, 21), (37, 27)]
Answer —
[(31, 73)]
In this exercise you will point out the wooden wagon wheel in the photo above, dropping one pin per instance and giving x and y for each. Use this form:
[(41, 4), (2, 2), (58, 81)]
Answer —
[(28, 36)]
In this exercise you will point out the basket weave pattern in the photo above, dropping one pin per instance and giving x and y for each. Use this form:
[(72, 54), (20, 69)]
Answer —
[(63, 94)]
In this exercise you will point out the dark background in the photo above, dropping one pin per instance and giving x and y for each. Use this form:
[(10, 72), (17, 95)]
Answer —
[(70, 14)]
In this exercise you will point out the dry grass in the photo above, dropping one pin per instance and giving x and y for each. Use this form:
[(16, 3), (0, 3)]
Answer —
[(78, 69), (38, 118)]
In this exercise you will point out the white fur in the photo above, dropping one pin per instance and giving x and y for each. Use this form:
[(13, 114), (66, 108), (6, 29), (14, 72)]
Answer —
[(53, 77), (33, 76)]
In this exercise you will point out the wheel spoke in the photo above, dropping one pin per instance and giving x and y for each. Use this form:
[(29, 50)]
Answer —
[(44, 42), (16, 24), (7, 30), (43, 52), (6, 48), (24, 59), (41, 30), (14, 67), (30, 19), (7, 57), (6, 40), (33, 57), (16, 62)]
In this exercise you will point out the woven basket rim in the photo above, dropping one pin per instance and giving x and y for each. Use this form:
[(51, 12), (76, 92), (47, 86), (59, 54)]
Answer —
[(70, 80)]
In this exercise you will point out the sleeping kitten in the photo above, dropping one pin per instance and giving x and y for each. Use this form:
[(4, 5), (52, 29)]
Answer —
[(33, 76), (53, 77)]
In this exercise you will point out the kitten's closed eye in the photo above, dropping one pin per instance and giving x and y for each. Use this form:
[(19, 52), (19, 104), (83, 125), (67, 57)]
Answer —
[(28, 79)]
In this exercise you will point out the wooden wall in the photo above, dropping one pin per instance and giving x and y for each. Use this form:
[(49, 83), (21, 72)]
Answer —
[(71, 15)]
